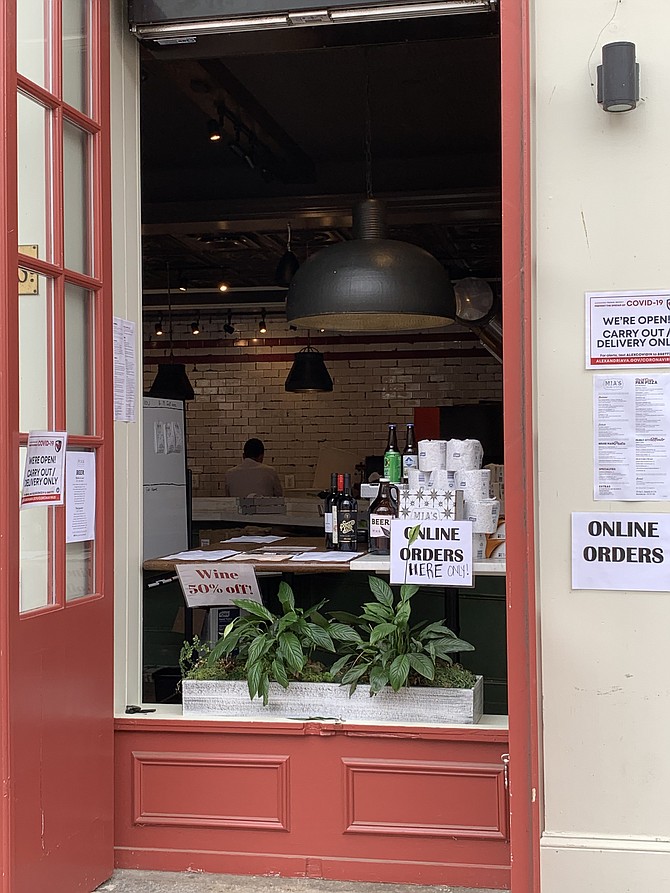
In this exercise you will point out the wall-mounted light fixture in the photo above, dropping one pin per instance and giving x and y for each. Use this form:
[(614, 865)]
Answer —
[(619, 77), (229, 328)]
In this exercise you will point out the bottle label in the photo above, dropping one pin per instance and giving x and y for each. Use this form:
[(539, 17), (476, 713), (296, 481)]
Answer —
[(328, 522), (334, 526), (346, 524), (380, 525), (409, 462), (392, 467)]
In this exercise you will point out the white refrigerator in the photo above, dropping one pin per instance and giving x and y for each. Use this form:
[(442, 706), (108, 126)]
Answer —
[(165, 492)]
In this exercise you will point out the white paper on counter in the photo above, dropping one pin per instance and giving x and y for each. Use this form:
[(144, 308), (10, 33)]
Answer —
[(201, 555), (260, 556), (338, 557), (79, 497), (254, 539), (631, 427)]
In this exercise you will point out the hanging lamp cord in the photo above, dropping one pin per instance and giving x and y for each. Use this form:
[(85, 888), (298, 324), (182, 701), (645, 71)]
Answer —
[(368, 130), (169, 298)]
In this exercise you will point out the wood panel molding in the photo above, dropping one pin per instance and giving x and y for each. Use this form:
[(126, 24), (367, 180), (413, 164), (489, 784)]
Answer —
[(234, 791)]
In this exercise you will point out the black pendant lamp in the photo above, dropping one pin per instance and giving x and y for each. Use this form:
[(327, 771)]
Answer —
[(308, 373), (371, 283), (288, 263), (171, 381)]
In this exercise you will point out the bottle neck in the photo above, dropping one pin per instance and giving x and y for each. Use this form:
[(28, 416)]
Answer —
[(392, 443)]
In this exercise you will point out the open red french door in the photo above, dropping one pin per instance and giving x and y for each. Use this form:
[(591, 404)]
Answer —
[(56, 621)]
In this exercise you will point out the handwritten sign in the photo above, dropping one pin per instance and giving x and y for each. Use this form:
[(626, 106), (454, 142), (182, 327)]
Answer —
[(205, 585), (43, 476), (620, 551), (441, 554)]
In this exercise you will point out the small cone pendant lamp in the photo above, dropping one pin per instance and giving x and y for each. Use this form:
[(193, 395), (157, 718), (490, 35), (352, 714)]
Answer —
[(308, 373), (171, 381)]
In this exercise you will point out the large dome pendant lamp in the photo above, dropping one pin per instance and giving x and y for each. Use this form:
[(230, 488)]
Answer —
[(370, 283)]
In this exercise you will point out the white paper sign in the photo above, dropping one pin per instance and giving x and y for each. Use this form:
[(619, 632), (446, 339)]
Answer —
[(80, 501), (626, 328), (205, 585), (125, 370), (43, 478), (631, 428), (628, 551), (441, 555)]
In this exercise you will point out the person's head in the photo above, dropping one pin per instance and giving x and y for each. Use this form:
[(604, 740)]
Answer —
[(254, 449)]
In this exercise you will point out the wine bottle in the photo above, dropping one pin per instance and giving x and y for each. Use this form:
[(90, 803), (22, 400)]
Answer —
[(347, 518), (328, 512), (382, 511), (392, 457), (410, 455), (335, 543)]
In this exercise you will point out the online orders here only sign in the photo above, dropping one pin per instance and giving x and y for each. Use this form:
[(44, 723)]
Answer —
[(622, 551), (441, 554)]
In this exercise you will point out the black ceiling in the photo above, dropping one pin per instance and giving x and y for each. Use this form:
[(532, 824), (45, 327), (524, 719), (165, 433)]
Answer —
[(293, 108)]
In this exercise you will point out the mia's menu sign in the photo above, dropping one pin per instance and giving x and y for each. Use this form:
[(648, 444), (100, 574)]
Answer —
[(438, 553), (43, 477), (620, 551)]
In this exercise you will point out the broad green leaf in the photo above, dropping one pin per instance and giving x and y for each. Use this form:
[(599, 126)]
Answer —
[(279, 673), (407, 591), (375, 612), (344, 616), (223, 646), (285, 596), (399, 671), (254, 675), (381, 589), (378, 679), (353, 674), (319, 637), (314, 609), (382, 631), (448, 646), (260, 646), (402, 615), (291, 651), (339, 663), (287, 620), (423, 665), (264, 688), (254, 608), (344, 633), (413, 534)]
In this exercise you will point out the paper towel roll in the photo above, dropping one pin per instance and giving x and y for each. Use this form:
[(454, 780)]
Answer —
[(432, 454), (476, 483), (444, 480), (483, 513), (464, 454), (478, 546), (417, 478)]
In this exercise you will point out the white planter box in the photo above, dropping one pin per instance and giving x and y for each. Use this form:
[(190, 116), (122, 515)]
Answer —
[(323, 700)]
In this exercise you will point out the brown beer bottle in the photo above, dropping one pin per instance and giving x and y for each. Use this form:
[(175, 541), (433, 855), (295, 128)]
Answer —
[(382, 511)]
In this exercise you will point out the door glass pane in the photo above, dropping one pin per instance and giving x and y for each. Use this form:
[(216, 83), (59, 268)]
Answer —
[(76, 197), (76, 65), (36, 571), (35, 352), (79, 360), (80, 508), (79, 577), (34, 179), (32, 48)]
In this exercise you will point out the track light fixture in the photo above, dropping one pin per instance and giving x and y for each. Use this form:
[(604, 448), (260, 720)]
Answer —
[(229, 328), (223, 285), (262, 325), (195, 326), (183, 283), (213, 130), (158, 328)]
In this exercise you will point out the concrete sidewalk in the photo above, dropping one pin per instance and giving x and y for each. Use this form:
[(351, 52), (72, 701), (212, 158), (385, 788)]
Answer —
[(127, 881)]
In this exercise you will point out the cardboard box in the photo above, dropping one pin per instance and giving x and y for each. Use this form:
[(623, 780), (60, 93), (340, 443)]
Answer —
[(431, 505)]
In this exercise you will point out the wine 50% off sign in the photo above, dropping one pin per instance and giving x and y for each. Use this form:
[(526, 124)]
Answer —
[(207, 585)]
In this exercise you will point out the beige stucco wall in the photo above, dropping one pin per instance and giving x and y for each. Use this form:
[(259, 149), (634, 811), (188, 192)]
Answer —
[(600, 197)]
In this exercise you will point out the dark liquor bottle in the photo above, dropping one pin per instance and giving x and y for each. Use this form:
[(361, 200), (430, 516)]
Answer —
[(382, 511), (339, 491), (347, 518), (392, 457), (410, 455), (328, 512)]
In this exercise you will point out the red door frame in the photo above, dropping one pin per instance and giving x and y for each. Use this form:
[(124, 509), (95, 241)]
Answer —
[(68, 621), (525, 820)]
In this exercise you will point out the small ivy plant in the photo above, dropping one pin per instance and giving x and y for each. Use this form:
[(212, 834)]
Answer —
[(274, 648)]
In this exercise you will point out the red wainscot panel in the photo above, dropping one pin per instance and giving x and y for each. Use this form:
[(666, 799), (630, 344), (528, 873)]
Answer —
[(395, 804)]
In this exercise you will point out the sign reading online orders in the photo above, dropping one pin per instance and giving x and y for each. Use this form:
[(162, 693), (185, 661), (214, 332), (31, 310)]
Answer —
[(620, 551), (441, 555)]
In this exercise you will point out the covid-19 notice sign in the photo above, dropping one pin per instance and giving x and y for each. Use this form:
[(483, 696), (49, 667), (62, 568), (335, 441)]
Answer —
[(627, 328), (43, 476)]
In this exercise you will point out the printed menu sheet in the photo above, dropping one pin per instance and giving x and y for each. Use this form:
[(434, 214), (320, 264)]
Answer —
[(631, 429)]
